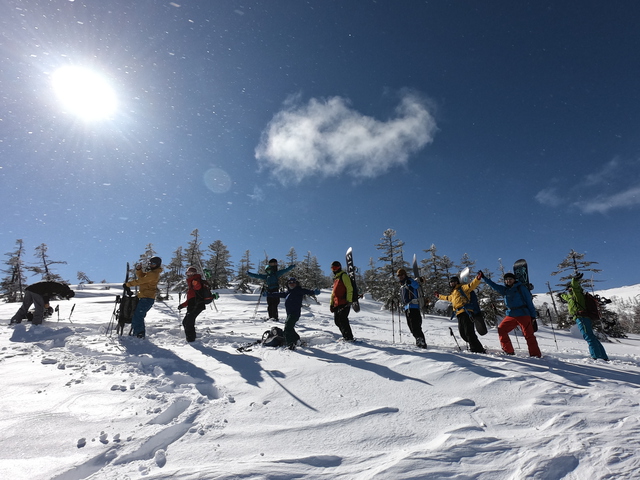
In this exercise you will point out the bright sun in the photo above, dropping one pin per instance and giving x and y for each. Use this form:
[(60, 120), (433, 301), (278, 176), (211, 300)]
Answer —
[(84, 93)]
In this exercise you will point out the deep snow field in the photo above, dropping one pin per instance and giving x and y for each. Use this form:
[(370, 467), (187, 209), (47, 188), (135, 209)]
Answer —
[(77, 403)]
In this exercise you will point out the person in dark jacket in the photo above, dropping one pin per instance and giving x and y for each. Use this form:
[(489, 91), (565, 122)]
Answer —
[(293, 305), (409, 292), (520, 312), (272, 285), (578, 309), (340, 302), (193, 303), (39, 295)]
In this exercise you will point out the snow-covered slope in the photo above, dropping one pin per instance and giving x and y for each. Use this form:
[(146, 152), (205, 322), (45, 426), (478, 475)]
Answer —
[(79, 404)]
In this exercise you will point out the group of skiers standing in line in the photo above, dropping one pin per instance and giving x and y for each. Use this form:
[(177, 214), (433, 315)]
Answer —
[(520, 311)]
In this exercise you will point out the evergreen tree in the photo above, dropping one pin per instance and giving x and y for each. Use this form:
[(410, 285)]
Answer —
[(435, 271), (173, 275), (310, 274), (193, 254), (575, 263), (148, 254), (13, 284), (393, 259), (83, 278), (242, 278), (219, 266), (43, 267)]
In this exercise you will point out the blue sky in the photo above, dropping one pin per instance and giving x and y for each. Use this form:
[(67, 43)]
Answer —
[(499, 129)]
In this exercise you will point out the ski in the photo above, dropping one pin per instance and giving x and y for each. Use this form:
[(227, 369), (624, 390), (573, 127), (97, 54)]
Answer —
[(416, 274), (351, 271)]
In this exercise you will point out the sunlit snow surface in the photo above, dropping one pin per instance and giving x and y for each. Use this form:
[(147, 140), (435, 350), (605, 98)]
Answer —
[(78, 404)]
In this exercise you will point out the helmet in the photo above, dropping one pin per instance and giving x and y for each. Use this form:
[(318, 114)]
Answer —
[(454, 279), (155, 262)]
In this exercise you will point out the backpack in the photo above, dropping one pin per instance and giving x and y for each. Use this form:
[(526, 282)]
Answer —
[(205, 294), (591, 307), (274, 337)]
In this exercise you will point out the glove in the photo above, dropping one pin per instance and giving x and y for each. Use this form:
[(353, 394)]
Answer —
[(480, 275), (579, 276), (265, 293), (180, 307), (437, 295), (215, 295), (316, 291), (332, 308)]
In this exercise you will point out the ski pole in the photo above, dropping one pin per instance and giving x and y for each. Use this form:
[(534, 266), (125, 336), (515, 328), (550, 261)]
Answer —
[(454, 337), (71, 312), (58, 310), (393, 323), (552, 329), (255, 311)]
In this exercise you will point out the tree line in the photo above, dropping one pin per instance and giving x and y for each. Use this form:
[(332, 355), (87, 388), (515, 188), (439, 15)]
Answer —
[(378, 280)]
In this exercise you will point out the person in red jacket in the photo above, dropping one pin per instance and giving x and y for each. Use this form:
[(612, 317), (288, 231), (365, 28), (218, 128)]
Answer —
[(194, 304)]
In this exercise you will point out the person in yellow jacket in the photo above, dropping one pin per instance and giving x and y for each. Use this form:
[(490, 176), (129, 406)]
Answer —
[(459, 298), (148, 283)]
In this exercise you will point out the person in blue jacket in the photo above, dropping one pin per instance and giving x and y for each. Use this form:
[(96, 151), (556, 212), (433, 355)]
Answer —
[(409, 292), (520, 312), (293, 305), (272, 285)]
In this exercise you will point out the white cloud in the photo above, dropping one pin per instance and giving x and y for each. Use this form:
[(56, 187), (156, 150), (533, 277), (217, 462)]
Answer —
[(329, 138), (604, 203), (611, 187)]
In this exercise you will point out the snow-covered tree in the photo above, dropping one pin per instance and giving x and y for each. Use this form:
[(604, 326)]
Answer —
[(43, 266), (218, 265), (13, 284)]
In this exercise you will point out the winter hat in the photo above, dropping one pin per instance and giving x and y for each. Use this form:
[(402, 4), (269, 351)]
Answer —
[(292, 280), (273, 260), (155, 262), (192, 269), (336, 264), (509, 275), (401, 272), (454, 279)]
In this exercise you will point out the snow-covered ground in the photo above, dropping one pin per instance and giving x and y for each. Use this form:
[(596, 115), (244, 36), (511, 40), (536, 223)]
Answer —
[(79, 404)]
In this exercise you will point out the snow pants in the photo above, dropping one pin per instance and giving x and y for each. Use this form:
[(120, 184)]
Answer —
[(595, 347), (414, 322), (137, 322), (272, 307), (38, 303), (290, 334), (468, 333), (194, 308), (511, 323), (341, 319)]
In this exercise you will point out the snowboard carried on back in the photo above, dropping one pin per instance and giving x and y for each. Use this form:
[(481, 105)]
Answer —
[(351, 271), (521, 271), (422, 301)]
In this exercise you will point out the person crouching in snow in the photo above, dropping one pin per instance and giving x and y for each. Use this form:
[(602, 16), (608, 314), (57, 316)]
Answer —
[(39, 294), (194, 304), (520, 312), (293, 306)]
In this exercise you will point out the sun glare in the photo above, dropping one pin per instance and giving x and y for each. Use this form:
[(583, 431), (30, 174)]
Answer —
[(84, 93)]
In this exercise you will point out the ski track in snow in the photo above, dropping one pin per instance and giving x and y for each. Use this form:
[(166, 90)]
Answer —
[(93, 406)]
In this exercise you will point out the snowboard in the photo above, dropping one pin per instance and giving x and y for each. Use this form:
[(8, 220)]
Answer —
[(521, 271), (351, 271), (422, 301)]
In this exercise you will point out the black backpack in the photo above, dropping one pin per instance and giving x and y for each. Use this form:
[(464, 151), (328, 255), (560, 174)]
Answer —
[(274, 337), (205, 294), (591, 307)]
